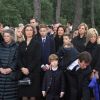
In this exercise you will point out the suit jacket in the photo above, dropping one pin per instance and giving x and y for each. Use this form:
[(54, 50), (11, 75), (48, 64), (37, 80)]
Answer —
[(59, 82), (46, 49)]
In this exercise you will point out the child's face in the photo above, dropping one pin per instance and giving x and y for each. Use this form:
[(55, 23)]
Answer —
[(54, 63), (83, 64), (66, 40), (43, 32)]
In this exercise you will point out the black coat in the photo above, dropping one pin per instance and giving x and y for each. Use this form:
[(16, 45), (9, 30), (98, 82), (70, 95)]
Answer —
[(59, 84), (96, 59), (8, 83), (78, 83), (67, 56), (79, 43), (29, 57), (58, 42), (92, 49)]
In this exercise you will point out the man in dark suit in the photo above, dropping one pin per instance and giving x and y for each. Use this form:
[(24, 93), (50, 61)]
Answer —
[(78, 77)]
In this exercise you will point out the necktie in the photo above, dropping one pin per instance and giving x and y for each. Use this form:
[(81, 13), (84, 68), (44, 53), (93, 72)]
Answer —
[(43, 42), (75, 68)]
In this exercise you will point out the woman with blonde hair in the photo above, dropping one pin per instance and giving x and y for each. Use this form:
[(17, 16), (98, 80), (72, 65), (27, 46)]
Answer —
[(92, 32), (91, 41), (19, 37), (93, 46), (79, 41)]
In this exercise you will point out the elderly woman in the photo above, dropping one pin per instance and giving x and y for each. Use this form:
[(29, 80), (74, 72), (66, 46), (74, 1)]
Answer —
[(8, 56)]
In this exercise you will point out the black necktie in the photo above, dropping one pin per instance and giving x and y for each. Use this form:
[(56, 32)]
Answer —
[(75, 68)]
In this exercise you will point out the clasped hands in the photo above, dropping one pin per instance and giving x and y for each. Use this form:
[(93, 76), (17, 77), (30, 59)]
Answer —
[(5, 71)]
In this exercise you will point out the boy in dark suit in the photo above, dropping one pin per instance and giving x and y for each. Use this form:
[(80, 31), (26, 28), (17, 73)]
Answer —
[(78, 77), (53, 83), (47, 44)]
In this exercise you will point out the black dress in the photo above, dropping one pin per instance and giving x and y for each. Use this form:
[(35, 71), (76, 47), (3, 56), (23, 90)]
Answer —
[(29, 57)]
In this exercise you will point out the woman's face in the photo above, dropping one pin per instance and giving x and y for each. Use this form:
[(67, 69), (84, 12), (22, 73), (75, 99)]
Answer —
[(93, 38), (7, 38), (82, 30), (19, 32), (29, 32), (60, 31)]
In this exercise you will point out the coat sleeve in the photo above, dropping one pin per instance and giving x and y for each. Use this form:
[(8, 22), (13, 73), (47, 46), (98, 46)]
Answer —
[(19, 60), (62, 82), (96, 59), (52, 44), (44, 84)]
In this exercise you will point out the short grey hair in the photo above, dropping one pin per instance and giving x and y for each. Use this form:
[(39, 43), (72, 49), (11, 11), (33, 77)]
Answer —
[(10, 31)]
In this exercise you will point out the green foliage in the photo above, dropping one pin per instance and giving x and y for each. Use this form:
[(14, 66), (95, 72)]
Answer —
[(13, 12), (46, 11)]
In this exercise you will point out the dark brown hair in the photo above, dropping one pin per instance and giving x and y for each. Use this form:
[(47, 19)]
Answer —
[(85, 56), (28, 25)]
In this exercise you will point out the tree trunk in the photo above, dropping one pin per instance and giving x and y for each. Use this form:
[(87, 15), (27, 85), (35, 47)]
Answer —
[(58, 8), (92, 13), (78, 13), (37, 9)]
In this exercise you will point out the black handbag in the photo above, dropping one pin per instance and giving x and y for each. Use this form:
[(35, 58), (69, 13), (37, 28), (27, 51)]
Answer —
[(25, 81)]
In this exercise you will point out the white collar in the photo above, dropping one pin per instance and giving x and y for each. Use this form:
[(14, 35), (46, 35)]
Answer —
[(73, 64), (43, 38), (54, 68)]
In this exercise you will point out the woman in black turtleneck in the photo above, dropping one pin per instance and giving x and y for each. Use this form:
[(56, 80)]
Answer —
[(91, 46)]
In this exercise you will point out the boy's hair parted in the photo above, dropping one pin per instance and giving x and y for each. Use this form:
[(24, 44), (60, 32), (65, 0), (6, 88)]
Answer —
[(85, 56), (53, 57), (68, 35), (42, 26)]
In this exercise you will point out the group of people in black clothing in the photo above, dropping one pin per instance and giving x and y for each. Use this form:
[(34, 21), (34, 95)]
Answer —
[(59, 64)]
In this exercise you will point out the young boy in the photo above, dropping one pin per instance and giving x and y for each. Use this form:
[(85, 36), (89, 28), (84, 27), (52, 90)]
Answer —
[(53, 83), (67, 53), (47, 44), (78, 77)]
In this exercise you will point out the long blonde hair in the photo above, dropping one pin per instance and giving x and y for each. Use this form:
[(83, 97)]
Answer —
[(90, 32), (16, 37)]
